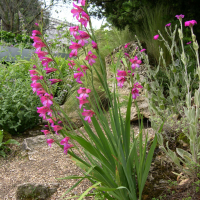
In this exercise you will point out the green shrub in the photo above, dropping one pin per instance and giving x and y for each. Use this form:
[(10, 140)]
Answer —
[(18, 103), (15, 40)]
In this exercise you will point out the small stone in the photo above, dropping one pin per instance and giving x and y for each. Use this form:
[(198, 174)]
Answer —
[(35, 191)]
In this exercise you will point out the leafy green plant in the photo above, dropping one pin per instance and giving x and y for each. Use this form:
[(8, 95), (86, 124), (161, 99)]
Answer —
[(3, 145), (17, 111), (11, 39)]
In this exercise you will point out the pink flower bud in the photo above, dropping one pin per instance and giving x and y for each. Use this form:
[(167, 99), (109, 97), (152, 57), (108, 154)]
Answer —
[(156, 37)]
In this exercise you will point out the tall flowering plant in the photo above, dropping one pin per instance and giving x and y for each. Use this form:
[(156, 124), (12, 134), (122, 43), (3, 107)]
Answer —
[(178, 75), (112, 159)]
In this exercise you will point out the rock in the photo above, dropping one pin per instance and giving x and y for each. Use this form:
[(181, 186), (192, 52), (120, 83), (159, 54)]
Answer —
[(31, 191), (33, 143), (124, 92)]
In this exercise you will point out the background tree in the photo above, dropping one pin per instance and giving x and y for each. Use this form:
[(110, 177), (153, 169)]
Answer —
[(17, 15), (122, 13)]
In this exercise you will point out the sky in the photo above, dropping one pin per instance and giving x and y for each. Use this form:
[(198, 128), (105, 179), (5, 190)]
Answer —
[(63, 12)]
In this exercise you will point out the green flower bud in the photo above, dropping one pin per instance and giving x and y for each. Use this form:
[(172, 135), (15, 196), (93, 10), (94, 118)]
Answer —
[(180, 33), (193, 37), (195, 46)]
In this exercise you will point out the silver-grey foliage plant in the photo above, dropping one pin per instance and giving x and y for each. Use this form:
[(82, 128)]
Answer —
[(162, 106)]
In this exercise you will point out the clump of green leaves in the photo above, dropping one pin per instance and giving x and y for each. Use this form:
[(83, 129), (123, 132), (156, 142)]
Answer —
[(11, 39), (18, 103), (3, 145)]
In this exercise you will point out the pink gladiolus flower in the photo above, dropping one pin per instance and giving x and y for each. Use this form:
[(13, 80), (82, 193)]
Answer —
[(81, 41), (73, 53), (167, 25), (66, 144), (83, 34), (188, 43), (142, 50), (135, 62), (46, 60), (121, 61), (38, 44), (85, 19), (156, 37), (43, 111), (88, 114), (53, 81), (90, 57), (50, 141), (32, 72), (82, 101), (84, 68), (127, 55), (135, 93), (121, 81), (71, 64), (56, 128), (126, 46), (36, 86), (190, 23), (34, 78), (133, 66), (75, 45), (45, 132), (41, 54), (41, 92), (46, 100), (78, 77), (82, 2), (94, 45), (121, 73), (137, 85), (36, 32), (36, 24), (49, 70), (82, 38), (73, 30), (76, 12), (34, 67), (83, 92), (51, 121), (179, 16)]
